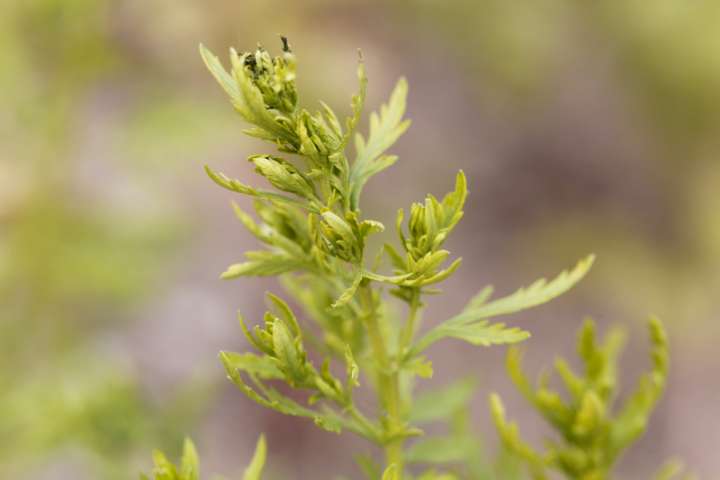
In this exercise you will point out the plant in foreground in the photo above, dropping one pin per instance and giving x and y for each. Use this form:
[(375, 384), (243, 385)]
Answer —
[(315, 236)]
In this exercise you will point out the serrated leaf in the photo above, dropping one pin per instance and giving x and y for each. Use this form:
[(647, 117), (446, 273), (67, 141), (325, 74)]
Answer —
[(385, 129), (539, 292), (485, 333), (357, 103), (478, 310)]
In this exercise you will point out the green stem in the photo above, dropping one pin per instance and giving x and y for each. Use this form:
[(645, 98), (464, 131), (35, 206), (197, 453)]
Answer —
[(408, 332), (388, 387)]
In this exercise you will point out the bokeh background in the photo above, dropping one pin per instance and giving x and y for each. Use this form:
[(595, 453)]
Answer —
[(583, 127)]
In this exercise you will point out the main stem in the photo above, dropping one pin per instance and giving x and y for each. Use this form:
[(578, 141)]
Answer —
[(388, 389)]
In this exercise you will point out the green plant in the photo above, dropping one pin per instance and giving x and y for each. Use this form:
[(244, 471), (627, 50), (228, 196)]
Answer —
[(315, 238), (189, 468), (592, 436)]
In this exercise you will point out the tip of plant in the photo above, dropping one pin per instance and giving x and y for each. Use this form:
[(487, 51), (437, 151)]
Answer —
[(496, 405)]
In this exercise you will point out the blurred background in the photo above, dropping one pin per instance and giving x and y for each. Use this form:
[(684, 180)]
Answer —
[(583, 127)]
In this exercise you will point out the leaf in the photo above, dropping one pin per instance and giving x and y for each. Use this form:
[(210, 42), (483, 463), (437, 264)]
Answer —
[(485, 333), (237, 186), (440, 404), (226, 81), (248, 362), (510, 437), (478, 310), (349, 293), (385, 129), (189, 463), (541, 291), (420, 366), (632, 420), (352, 371), (357, 103), (439, 450), (263, 263), (272, 399), (254, 470), (671, 470), (164, 470)]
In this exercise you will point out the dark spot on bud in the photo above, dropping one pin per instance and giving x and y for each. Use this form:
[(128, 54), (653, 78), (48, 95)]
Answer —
[(250, 61)]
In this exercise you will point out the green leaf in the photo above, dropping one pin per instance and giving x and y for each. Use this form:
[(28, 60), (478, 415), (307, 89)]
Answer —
[(510, 436), (484, 333), (671, 470), (539, 292), (263, 367), (237, 186), (189, 463), (352, 371), (632, 420), (441, 403), (164, 470), (226, 81), (263, 263), (471, 325), (440, 450), (385, 129), (357, 103), (349, 293), (254, 470)]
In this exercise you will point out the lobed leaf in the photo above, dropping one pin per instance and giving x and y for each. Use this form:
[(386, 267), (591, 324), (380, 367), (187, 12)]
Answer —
[(471, 324), (385, 129)]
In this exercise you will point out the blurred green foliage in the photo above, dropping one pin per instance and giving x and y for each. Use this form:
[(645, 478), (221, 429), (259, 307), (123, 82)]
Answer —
[(72, 262)]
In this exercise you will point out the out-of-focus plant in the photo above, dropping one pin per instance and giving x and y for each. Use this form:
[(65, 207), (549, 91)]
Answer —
[(189, 468), (71, 259), (315, 237), (593, 434)]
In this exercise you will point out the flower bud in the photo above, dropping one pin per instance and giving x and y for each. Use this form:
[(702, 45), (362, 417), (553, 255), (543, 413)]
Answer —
[(273, 77), (282, 175)]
